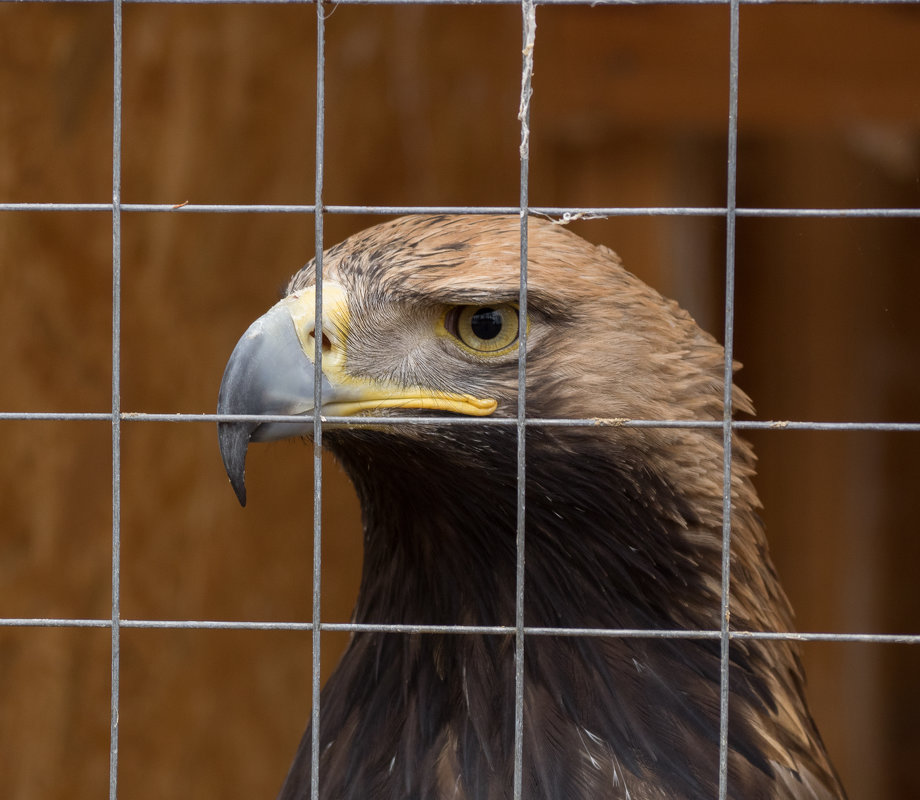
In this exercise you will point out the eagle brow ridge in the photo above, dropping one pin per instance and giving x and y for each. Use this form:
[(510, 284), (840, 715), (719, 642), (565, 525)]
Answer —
[(537, 300)]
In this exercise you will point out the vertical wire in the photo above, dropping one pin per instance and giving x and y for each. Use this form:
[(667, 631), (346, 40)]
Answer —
[(116, 397), (529, 25), (730, 219), (318, 398)]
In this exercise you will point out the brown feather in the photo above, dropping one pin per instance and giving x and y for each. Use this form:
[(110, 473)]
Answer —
[(623, 530)]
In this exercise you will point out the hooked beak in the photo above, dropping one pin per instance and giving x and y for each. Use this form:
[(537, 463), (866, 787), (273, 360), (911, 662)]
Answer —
[(271, 372)]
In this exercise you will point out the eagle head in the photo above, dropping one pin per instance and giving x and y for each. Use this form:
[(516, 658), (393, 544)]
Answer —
[(420, 321)]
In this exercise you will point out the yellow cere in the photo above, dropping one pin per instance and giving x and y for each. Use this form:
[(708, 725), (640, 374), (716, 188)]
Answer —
[(302, 308)]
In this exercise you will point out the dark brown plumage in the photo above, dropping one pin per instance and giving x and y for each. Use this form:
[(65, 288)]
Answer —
[(623, 527)]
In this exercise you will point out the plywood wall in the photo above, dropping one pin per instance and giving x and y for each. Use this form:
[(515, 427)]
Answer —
[(629, 109)]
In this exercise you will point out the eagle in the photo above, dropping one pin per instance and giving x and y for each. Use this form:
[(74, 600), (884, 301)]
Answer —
[(421, 317)]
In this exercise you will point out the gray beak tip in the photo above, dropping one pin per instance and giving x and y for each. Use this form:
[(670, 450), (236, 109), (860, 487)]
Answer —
[(234, 442), (267, 373)]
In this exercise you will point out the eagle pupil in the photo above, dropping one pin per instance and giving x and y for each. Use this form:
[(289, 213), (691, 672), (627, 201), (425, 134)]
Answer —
[(486, 323)]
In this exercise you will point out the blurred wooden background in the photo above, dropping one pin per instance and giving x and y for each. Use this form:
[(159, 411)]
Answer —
[(629, 109)]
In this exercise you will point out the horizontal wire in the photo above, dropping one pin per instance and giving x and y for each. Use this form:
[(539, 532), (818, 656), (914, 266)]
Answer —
[(508, 422), (562, 214), (488, 630), (482, 2)]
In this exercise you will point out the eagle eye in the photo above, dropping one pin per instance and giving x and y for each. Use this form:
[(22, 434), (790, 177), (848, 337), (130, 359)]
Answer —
[(484, 329)]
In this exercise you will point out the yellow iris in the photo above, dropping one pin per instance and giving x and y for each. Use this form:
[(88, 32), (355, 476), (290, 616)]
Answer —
[(485, 329)]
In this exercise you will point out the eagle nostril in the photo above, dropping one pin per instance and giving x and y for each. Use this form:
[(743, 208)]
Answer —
[(326, 343)]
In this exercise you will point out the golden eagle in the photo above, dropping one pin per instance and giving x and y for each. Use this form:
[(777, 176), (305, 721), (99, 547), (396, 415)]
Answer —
[(623, 526)]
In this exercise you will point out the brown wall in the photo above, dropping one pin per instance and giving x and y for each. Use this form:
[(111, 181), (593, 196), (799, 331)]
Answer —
[(629, 109)]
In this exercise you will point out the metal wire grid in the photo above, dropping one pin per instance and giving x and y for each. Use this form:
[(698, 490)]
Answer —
[(728, 425), (480, 2)]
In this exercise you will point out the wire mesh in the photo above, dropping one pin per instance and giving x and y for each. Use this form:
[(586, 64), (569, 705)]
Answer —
[(117, 416), (318, 401), (116, 394)]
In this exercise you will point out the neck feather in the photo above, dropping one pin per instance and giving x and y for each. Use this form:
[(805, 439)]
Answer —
[(609, 543)]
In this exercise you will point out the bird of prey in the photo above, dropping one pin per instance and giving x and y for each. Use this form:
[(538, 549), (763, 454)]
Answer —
[(623, 526)]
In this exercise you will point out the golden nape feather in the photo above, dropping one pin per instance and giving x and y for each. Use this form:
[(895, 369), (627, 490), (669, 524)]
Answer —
[(421, 317)]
